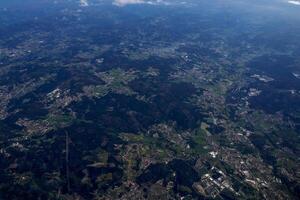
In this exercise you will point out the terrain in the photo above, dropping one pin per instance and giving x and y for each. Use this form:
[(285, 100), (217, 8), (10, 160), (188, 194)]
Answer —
[(149, 100)]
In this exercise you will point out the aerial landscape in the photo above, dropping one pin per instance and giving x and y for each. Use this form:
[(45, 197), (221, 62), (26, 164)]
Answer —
[(149, 99)]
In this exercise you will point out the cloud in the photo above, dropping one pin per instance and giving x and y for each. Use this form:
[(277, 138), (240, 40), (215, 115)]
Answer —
[(294, 2), (127, 2), (84, 3)]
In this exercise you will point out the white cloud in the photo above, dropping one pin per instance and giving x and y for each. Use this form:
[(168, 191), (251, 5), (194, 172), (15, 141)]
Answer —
[(295, 2), (127, 2), (84, 3)]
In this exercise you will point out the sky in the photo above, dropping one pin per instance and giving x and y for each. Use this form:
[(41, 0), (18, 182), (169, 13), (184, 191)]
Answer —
[(154, 2)]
